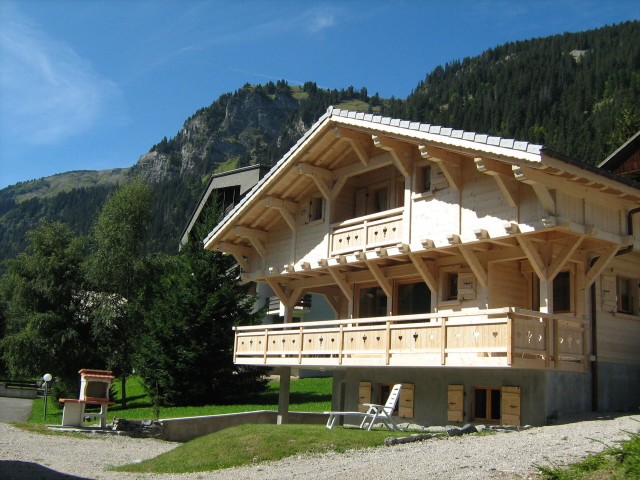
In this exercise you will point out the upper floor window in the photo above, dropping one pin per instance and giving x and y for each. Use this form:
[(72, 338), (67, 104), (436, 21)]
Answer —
[(316, 209), (562, 292), (450, 291), (424, 179), (627, 295)]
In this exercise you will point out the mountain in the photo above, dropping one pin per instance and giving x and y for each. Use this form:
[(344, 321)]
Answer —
[(576, 93)]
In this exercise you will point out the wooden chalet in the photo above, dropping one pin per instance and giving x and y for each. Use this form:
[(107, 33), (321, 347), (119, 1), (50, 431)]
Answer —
[(496, 279)]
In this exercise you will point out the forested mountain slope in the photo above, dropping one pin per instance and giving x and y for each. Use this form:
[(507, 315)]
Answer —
[(576, 93)]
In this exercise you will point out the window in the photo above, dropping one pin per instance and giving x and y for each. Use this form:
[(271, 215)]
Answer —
[(316, 209), (486, 404), (562, 292), (424, 179), (450, 286), (627, 295)]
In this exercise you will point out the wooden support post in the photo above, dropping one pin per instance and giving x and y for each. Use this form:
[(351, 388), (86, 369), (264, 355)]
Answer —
[(283, 396)]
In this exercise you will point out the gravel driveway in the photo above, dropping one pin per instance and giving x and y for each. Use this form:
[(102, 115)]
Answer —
[(511, 455)]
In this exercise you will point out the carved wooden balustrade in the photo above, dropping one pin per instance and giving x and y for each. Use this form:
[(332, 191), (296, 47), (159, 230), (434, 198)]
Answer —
[(503, 337), (375, 230)]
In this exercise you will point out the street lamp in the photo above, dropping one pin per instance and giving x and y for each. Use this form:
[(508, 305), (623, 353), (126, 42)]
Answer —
[(47, 378)]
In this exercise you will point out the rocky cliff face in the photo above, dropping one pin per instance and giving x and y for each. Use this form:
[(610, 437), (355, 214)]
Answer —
[(238, 129)]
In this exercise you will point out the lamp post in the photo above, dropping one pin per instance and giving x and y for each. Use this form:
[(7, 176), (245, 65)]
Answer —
[(47, 378)]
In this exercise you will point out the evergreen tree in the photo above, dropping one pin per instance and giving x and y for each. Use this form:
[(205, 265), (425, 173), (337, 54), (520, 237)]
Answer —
[(186, 354), (41, 296)]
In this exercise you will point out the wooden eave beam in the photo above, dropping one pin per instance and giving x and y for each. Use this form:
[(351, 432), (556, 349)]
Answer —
[(522, 174), (533, 256), (600, 264), (356, 142), (284, 207), (278, 290), (239, 252), (342, 283), (503, 176), (448, 163), (255, 236), (376, 271), (354, 169), (423, 269), (400, 152), (320, 176), (563, 257), (476, 267)]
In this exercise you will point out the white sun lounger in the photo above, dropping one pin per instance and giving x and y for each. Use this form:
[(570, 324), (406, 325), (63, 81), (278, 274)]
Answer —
[(375, 412)]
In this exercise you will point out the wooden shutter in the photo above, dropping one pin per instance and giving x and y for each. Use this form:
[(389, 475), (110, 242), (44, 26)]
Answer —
[(364, 396), (405, 402), (510, 406), (608, 292), (455, 407)]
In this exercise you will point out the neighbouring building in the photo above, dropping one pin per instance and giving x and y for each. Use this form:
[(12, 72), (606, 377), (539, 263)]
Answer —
[(497, 280)]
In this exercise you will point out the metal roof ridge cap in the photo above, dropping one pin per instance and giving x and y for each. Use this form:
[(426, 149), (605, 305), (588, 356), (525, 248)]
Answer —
[(447, 140)]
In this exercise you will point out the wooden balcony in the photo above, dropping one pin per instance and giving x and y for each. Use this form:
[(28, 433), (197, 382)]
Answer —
[(375, 230), (505, 337)]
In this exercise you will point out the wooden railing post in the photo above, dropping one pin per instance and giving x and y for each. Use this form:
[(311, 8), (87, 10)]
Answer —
[(547, 342), (266, 344), (556, 344), (301, 343), (510, 318), (388, 344), (443, 345), (341, 344)]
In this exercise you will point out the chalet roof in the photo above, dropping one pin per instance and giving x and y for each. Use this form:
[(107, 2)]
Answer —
[(460, 141), (451, 133), (614, 161)]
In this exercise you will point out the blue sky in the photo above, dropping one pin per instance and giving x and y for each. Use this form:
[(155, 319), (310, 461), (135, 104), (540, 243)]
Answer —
[(93, 84)]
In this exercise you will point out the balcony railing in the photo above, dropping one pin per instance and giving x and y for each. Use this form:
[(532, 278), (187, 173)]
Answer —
[(375, 230), (504, 337)]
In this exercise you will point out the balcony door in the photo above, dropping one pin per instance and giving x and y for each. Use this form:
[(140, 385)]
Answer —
[(411, 297), (372, 301)]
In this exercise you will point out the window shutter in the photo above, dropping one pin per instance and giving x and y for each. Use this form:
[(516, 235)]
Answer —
[(405, 407), (510, 406), (466, 286), (455, 407), (364, 396)]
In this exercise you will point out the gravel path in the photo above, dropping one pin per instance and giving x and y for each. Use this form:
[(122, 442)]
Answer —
[(511, 455)]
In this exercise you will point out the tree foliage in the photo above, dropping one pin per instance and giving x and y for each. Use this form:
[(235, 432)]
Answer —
[(187, 351), (117, 270), (41, 296)]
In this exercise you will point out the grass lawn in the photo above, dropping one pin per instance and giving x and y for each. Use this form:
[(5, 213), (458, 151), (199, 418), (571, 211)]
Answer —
[(614, 463), (249, 444), (307, 395)]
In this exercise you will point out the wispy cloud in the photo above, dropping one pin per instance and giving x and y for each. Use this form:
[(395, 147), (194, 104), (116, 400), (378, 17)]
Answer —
[(47, 91)]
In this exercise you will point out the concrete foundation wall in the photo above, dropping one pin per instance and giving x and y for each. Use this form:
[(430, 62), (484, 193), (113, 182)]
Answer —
[(185, 429), (618, 387), (543, 394)]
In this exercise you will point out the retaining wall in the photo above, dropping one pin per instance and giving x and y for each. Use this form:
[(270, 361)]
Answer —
[(188, 428)]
